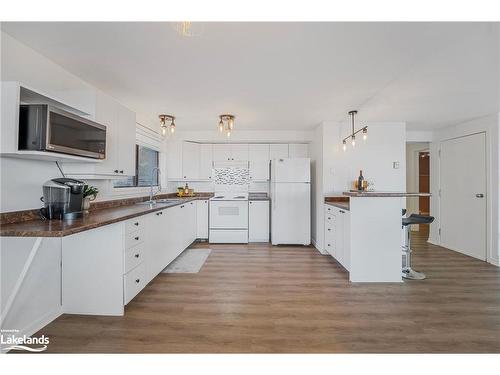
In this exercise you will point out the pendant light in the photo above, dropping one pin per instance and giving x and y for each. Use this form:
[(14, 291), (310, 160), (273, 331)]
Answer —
[(226, 123), (167, 122), (352, 136)]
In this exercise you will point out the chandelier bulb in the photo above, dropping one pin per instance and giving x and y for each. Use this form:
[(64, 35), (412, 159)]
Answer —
[(353, 141), (344, 146)]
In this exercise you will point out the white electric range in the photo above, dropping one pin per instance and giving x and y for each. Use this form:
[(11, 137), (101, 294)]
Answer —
[(228, 217)]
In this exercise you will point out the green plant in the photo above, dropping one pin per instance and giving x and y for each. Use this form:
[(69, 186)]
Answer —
[(90, 191)]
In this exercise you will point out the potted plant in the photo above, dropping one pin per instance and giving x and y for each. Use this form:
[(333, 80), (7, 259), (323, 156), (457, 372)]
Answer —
[(89, 194)]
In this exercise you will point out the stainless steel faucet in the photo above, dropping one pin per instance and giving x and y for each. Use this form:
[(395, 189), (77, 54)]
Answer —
[(152, 179)]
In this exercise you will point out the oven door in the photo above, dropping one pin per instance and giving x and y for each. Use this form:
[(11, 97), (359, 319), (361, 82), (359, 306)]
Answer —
[(74, 135), (228, 214)]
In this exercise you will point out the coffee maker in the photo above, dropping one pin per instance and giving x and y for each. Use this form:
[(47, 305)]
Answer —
[(63, 199)]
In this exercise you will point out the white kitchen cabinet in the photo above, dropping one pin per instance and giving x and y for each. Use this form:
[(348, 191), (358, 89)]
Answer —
[(174, 160), (126, 139), (298, 150), (230, 152), (258, 156), (239, 151), (190, 161), (206, 161), (337, 234), (202, 219), (120, 143), (222, 152), (258, 221), (278, 150)]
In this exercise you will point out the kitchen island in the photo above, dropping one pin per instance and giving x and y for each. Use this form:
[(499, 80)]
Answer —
[(367, 233)]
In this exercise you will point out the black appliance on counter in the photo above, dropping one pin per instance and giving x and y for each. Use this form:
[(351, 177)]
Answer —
[(63, 199)]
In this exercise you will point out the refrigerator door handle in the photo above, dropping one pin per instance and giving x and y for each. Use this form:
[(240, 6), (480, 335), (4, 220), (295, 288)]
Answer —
[(274, 196)]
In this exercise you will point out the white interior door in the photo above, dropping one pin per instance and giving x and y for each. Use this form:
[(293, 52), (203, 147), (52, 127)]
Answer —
[(463, 195)]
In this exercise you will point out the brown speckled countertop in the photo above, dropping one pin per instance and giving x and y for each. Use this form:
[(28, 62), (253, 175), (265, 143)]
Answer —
[(96, 218)]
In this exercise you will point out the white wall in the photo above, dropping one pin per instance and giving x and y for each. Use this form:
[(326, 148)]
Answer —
[(317, 212), (490, 125), (385, 144)]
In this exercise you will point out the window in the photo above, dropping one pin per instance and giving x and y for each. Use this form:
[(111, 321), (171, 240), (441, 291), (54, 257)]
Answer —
[(145, 160)]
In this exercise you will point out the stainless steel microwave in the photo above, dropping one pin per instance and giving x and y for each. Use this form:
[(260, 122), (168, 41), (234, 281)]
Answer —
[(46, 128)]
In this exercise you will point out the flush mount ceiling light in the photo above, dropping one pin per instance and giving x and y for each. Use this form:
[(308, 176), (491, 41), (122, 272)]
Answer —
[(167, 122), (226, 124), (188, 29), (352, 136)]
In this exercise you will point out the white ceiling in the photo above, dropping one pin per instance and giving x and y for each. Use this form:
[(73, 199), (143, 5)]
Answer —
[(283, 75)]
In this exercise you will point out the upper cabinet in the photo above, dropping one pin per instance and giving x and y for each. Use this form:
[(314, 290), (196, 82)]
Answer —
[(258, 157), (206, 161), (298, 150), (190, 160), (278, 150), (174, 160), (120, 142), (230, 152)]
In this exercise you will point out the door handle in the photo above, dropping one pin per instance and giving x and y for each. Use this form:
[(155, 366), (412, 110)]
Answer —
[(479, 195)]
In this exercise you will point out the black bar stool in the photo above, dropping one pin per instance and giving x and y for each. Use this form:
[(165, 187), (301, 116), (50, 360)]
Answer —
[(408, 272)]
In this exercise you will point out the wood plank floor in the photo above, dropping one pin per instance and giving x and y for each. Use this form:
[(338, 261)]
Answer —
[(264, 299)]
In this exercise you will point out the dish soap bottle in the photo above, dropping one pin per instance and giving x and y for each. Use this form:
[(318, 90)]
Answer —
[(186, 189), (360, 181)]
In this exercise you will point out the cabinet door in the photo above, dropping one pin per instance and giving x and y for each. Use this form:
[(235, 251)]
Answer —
[(202, 219), (126, 144), (206, 161), (222, 152), (190, 161), (191, 222), (258, 156), (174, 160), (278, 150), (106, 114), (156, 256), (258, 221), (347, 240), (298, 150), (339, 238), (239, 152)]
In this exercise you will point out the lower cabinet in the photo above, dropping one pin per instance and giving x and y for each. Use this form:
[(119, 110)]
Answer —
[(103, 269), (202, 219), (338, 234), (258, 221)]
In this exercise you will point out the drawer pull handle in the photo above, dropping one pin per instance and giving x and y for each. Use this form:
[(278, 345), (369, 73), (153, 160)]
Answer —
[(136, 224), (121, 171), (329, 229), (159, 213), (136, 238), (137, 281), (136, 255)]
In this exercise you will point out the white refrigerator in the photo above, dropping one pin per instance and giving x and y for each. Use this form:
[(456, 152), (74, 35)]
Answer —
[(291, 201)]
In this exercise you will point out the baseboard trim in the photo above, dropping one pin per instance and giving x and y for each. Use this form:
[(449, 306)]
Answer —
[(322, 252), (495, 262)]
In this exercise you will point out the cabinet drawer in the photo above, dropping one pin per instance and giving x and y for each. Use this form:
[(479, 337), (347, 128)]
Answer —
[(133, 282), (329, 210), (134, 238), (133, 257), (329, 247), (134, 224), (329, 219)]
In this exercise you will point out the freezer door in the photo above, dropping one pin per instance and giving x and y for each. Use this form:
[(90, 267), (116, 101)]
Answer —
[(291, 213), (291, 170)]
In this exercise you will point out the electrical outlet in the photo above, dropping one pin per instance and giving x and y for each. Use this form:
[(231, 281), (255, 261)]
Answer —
[(395, 164)]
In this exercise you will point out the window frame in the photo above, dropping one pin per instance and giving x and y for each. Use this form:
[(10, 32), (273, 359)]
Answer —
[(136, 176)]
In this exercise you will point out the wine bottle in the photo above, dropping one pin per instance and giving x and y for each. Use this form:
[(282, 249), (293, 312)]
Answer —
[(360, 181)]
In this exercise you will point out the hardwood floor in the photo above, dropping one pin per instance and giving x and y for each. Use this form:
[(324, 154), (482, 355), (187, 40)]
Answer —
[(286, 299)]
